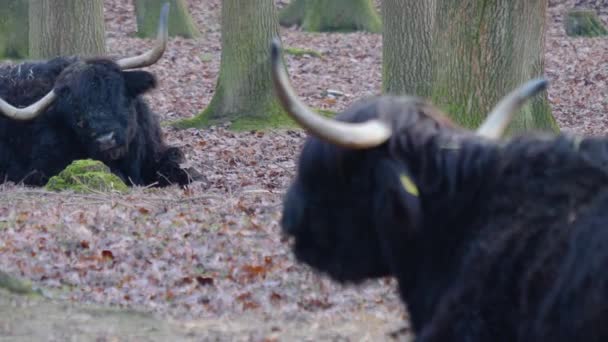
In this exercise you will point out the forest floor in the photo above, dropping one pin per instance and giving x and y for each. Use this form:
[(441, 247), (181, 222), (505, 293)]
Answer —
[(210, 261)]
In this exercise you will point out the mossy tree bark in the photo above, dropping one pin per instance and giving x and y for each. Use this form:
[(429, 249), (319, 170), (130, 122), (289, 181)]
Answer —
[(482, 50), (180, 21), (332, 15), (407, 46), (244, 93), (66, 27), (465, 55), (14, 29)]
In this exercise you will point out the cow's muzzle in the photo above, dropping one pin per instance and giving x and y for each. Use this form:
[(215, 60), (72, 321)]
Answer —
[(106, 142)]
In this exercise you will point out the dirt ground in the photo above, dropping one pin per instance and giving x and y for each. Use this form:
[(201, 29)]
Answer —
[(209, 263), (61, 321)]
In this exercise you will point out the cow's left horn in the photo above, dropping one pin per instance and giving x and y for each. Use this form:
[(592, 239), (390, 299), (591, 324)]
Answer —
[(152, 56), (350, 135), (499, 118), (30, 111)]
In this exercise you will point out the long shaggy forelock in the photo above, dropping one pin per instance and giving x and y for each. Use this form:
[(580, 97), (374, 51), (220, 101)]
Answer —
[(419, 126), (408, 110)]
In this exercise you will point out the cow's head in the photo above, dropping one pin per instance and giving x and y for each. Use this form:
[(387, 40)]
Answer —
[(356, 185), (97, 101), (96, 98)]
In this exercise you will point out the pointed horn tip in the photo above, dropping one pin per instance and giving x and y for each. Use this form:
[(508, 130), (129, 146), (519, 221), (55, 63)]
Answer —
[(275, 49), (534, 87), (164, 12)]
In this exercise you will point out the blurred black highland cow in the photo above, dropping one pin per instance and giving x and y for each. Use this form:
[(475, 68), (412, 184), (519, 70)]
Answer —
[(489, 240), (84, 108)]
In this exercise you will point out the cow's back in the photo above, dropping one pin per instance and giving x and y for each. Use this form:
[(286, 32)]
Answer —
[(538, 227), (577, 306)]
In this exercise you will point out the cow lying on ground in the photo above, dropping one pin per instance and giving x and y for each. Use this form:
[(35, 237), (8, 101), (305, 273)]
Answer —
[(84, 108), (489, 240)]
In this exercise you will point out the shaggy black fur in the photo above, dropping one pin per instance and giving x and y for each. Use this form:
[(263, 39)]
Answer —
[(94, 98), (494, 242)]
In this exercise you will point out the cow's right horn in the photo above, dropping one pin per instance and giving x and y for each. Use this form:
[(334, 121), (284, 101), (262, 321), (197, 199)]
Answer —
[(349, 135), (152, 56), (30, 111), (497, 121)]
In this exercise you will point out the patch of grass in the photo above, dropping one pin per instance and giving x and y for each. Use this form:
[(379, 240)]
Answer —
[(326, 113), (301, 52), (277, 119), (14, 285), (584, 23), (206, 57)]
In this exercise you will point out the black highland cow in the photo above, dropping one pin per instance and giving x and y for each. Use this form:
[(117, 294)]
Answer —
[(489, 240), (84, 108)]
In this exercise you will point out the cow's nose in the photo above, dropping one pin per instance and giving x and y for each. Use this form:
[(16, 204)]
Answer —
[(106, 141)]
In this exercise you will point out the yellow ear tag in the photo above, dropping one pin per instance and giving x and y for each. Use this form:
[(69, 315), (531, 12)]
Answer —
[(409, 185)]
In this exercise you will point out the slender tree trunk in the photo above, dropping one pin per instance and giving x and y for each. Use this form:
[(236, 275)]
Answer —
[(332, 15), (180, 21), (244, 92), (482, 50), (14, 29), (66, 27), (407, 46)]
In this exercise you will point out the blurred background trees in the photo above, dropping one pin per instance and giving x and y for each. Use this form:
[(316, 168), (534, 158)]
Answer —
[(407, 46), (66, 27), (244, 92), (180, 21), (465, 55), (332, 15), (14, 29)]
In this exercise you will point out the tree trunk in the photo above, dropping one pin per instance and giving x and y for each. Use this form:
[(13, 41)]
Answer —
[(14, 29), (465, 55), (66, 27), (332, 15), (482, 50), (407, 46), (180, 21), (244, 93)]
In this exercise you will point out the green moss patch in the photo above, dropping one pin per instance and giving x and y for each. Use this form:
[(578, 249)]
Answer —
[(15, 285), (301, 52), (277, 119), (86, 176), (273, 118), (332, 16), (180, 20), (584, 23)]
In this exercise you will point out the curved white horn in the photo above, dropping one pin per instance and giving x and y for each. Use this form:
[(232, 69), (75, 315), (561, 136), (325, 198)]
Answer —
[(29, 112), (350, 135), (152, 56), (499, 118)]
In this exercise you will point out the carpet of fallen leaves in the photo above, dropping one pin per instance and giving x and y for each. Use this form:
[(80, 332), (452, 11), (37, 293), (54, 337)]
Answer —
[(215, 250)]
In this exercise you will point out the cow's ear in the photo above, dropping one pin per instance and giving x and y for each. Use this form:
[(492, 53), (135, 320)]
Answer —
[(398, 199), (138, 82)]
